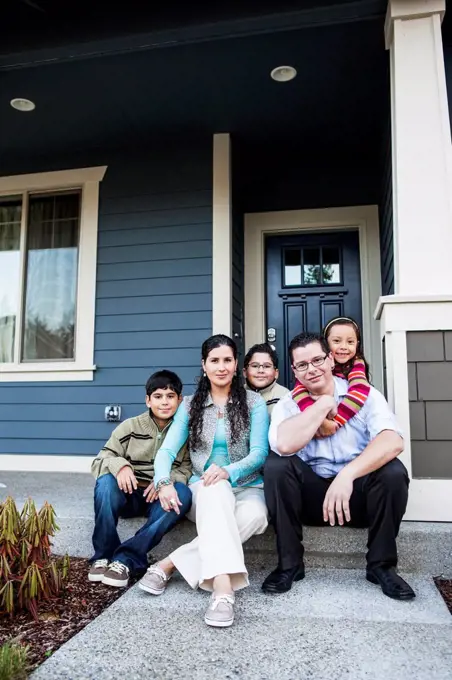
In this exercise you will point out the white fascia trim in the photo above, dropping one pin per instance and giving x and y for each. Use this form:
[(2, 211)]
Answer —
[(59, 179), (38, 463), (87, 179), (222, 236)]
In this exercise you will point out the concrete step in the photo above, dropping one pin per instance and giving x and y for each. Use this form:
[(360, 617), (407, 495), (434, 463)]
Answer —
[(332, 623), (424, 547)]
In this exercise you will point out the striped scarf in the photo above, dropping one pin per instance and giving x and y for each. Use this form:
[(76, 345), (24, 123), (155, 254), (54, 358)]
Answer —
[(354, 400)]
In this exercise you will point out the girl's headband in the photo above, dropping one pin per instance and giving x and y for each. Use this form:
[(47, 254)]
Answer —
[(338, 320)]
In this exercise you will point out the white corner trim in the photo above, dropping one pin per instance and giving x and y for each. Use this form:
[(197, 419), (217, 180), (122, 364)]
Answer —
[(364, 219), (86, 179), (222, 236), (59, 179), (38, 463)]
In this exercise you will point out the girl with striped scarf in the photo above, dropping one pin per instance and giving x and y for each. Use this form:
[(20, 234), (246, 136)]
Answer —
[(344, 339)]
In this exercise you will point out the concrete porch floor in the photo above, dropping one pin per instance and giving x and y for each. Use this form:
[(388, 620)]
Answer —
[(332, 623)]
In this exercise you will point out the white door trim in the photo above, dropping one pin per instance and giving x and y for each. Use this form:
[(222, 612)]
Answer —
[(364, 219)]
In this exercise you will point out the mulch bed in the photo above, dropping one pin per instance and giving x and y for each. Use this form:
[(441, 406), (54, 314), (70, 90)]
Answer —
[(61, 618), (445, 588)]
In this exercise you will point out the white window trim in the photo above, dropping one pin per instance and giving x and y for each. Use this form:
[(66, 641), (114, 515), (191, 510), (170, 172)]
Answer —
[(87, 180)]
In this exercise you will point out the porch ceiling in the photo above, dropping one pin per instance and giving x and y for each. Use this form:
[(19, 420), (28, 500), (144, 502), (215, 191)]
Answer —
[(340, 96)]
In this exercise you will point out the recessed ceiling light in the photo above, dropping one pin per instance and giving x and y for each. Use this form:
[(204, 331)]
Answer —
[(282, 74), (21, 104)]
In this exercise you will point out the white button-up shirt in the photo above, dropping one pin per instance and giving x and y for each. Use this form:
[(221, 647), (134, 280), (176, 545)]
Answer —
[(328, 456)]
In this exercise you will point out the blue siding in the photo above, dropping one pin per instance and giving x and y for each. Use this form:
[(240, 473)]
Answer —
[(238, 257), (153, 299), (386, 224)]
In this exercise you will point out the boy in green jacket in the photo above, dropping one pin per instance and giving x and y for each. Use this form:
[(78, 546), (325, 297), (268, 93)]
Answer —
[(124, 470)]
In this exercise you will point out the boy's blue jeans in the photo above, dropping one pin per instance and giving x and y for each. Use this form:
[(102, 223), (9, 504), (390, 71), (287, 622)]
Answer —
[(110, 503)]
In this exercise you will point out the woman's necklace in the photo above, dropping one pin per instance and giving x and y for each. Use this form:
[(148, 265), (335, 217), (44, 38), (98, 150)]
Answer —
[(220, 405)]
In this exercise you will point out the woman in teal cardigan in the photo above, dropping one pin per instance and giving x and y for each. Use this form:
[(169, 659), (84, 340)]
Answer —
[(227, 431)]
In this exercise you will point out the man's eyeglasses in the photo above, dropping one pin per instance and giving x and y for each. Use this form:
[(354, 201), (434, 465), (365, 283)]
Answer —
[(256, 367), (303, 366)]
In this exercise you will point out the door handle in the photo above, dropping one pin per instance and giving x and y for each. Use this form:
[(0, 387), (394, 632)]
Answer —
[(271, 334)]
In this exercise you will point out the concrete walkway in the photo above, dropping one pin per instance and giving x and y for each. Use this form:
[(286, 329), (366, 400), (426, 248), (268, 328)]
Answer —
[(334, 624)]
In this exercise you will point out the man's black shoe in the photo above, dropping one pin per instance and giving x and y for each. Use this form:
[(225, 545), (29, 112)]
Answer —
[(281, 580), (391, 583)]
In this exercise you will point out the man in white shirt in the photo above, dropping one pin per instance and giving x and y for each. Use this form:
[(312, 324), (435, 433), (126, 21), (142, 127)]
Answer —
[(352, 477)]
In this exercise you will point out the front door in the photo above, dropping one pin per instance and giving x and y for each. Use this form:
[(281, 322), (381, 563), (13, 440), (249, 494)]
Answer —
[(310, 279)]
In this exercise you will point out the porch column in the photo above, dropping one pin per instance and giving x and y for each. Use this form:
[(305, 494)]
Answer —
[(416, 322), (222, 236), (422, 151)]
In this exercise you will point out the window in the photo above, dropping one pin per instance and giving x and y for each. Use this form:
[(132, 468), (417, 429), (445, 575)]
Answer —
[(312, 266), (48, 244)]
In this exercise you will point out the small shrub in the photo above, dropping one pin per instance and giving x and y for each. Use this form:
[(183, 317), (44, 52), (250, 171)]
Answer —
[(13, 662), (28, 572)]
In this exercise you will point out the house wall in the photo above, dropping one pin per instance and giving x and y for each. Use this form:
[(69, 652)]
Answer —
[(274, 177), (153, 298), (281, 177), (238, 254), (238, 267), (387, 222), (430, 393), (447, 48)]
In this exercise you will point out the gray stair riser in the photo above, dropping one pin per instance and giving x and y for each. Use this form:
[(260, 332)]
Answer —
[(423, 548)]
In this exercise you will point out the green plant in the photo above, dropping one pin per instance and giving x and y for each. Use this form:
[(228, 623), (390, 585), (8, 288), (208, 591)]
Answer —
[(13, 662), (28, 572)]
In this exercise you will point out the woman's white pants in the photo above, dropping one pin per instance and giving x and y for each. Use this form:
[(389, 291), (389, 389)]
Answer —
[(225, 518)]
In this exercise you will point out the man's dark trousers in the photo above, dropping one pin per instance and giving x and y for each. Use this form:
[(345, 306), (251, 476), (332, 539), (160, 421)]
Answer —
[(294, 495)]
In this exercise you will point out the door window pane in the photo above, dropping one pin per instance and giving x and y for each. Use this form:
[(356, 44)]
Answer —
[(10, 218), (292, 268), (311, 266), (331, 268), (51, 281)]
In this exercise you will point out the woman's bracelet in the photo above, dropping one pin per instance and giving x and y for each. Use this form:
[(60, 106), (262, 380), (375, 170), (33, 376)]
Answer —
[(166, 481)]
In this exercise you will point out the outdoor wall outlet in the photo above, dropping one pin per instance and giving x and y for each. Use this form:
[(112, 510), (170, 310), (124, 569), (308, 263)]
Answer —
[(113, 413)]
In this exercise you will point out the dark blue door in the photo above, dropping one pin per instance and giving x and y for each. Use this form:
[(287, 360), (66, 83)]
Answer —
[(310, 279)]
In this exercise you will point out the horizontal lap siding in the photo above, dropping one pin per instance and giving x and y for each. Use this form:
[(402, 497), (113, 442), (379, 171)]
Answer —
[(387, 225), (238, 256), (153, 301)]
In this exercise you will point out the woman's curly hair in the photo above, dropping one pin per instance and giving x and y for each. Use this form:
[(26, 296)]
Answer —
[(237, 406)]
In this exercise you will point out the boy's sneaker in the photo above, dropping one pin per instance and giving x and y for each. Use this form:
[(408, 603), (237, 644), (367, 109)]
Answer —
[(154, 581), (220, 612), (97, 570), (117, 575)]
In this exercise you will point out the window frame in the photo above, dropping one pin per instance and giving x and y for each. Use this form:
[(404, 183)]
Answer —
[(87, 181)]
